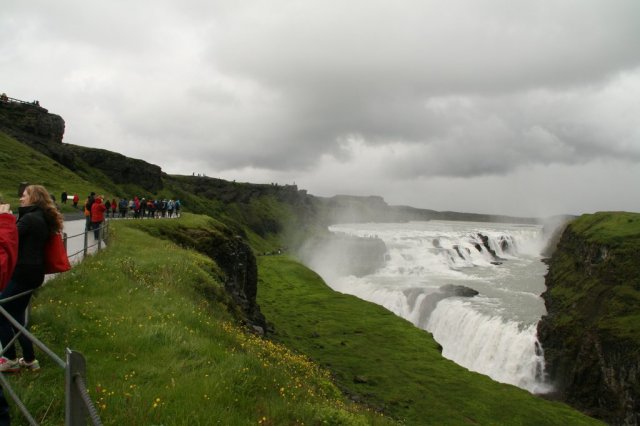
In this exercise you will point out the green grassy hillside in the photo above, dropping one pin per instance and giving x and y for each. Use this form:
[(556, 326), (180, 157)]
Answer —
[(19, 163), (163, 348), (611, 228)]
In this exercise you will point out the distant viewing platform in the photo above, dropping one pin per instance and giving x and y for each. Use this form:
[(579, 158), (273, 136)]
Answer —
[(6, 99)]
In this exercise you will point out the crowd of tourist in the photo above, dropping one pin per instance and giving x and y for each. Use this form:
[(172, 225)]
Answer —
[(98, 208)]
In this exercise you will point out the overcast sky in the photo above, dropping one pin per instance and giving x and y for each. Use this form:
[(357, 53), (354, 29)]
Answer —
[(527, 108)]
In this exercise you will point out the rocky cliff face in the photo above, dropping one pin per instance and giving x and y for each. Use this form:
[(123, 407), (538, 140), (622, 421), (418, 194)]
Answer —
[(239, 192), (30, 122), (236, 261), (120, 169), (36, 127), (591, 334)]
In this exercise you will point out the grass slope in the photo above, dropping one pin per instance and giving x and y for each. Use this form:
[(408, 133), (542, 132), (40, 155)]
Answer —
[(20, 163), (162, 348), (387, 361), (267, 223), (611, 228), (599, 277)]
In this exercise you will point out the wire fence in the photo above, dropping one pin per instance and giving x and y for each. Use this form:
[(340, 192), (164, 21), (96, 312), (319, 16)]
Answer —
[(78, 404), (99, 239)]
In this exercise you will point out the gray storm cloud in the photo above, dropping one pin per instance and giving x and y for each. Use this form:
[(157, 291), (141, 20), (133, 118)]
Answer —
[(454, 82), (297, 90)]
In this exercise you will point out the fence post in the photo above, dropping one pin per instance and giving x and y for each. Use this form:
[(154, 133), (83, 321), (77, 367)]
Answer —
[(64, 240), (75, 411), (100, 236), (86, 242)]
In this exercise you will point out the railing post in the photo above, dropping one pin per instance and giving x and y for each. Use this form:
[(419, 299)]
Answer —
[(64, 240), (75, 411), (86, 243)]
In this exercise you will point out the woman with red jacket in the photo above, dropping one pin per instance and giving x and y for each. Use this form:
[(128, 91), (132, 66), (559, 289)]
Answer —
[(97, 216), (8, 258), (8, 244), (38, 219)]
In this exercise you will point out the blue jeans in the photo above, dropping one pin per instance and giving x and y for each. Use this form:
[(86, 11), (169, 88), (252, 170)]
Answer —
[(96, 229)]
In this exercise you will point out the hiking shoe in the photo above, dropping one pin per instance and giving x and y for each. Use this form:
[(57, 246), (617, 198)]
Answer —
[(9, 365), (33, 365)]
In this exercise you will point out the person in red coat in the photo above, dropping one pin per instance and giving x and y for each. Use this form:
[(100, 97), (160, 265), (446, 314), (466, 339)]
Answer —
[(8, 244), (97, 216), (8, 258)]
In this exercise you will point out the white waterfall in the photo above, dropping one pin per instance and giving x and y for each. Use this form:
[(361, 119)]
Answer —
[(493, 333), (504, 350)]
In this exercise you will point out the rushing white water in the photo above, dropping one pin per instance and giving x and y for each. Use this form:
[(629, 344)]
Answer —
[(493, 333)]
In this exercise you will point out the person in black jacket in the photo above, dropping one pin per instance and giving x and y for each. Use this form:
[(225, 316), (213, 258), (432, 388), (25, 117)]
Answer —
[(38, 219)]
